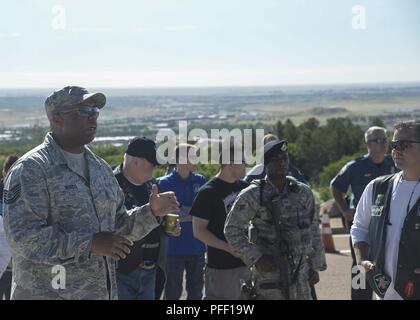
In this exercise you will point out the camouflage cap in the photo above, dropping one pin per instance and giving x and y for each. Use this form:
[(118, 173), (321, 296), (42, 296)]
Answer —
[(71, 96)]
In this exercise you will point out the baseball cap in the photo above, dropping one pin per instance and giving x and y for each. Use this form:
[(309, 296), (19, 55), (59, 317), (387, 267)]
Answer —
[(71, 96), (142, 148), (273, 148)]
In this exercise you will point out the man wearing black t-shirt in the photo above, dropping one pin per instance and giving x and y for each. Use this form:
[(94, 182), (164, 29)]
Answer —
[(210, 208), (136, 274)]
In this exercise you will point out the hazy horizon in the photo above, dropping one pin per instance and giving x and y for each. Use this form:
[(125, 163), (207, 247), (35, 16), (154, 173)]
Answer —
[(291, 87)]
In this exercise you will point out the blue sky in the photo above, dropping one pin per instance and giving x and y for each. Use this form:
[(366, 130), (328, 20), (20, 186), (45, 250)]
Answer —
[(206, 43)]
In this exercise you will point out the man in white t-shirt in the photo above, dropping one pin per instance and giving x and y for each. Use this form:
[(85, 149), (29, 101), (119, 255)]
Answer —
[(386, 227)]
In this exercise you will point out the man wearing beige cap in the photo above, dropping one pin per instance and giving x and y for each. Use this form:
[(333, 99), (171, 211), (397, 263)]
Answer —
[(64, 213)]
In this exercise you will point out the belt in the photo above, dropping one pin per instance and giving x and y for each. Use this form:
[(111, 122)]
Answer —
[(147, 265)]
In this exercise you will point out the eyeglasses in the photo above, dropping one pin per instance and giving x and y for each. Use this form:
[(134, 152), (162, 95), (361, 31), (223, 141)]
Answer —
[(379, 140), (85, 111), (401, 145)]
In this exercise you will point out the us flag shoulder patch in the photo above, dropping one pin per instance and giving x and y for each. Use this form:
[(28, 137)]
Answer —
[(10, 196)]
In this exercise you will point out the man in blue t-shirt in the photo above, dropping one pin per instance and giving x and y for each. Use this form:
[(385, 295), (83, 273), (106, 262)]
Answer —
[(184, 252), (356, 174)]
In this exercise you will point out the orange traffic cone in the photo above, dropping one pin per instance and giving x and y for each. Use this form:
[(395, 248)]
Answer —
[(326, 233)]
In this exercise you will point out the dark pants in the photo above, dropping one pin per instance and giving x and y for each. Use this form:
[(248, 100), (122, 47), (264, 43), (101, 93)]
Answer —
[(5, 285), (358, 294), (194, 268), (160, 282), (313, 293)]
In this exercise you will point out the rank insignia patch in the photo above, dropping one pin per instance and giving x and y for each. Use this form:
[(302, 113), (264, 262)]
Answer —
[(10, 196)]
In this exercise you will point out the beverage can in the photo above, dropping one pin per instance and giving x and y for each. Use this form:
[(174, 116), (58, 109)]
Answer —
[(170, 221)]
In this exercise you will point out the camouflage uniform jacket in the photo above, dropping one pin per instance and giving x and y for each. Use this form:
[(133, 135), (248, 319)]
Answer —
[(300, 226), (50, 216)]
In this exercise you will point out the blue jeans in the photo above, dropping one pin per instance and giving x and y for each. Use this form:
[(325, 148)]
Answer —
[(137, 285), (194, 267)]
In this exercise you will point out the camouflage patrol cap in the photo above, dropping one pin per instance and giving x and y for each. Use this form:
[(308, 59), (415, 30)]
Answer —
[(69, 97)]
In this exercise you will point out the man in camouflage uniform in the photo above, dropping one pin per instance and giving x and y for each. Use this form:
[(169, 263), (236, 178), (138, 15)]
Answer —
[(273, 228), (64, 214)]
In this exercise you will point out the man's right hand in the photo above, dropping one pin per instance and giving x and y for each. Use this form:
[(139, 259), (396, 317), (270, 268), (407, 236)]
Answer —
[(110, 245), (349, 214), (265, 264)]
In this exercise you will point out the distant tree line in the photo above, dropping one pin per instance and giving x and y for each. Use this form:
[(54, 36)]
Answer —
[(312, 146), (319, 151)]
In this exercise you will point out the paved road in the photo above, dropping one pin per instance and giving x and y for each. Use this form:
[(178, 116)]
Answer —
[(334, 283)]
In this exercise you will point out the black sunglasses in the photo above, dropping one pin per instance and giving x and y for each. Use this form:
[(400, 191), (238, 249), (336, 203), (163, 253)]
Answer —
[(401, 145), (379, 140), (85, 111)]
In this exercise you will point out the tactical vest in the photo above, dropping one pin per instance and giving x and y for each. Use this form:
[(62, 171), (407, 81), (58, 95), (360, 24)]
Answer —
[(406, 282), (293, 227), (293, 233)]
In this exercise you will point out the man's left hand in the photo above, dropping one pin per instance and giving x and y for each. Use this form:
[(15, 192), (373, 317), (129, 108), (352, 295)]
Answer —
[(417, 271)]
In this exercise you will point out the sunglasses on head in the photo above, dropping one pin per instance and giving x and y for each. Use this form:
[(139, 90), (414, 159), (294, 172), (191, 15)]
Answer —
[(85, 111), (379, 140), (401, 145)]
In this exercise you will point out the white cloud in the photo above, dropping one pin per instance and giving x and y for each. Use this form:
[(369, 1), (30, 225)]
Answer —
[(9, 35), (179, 28), (143, 29), (164, 28), (91, 29)]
